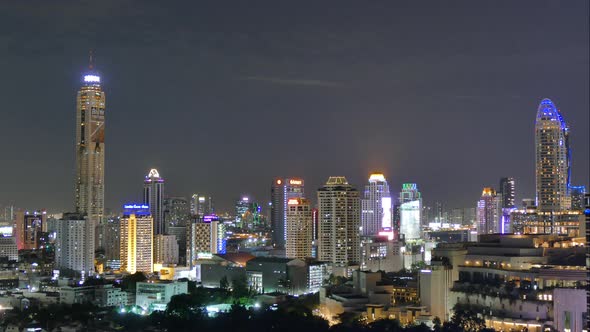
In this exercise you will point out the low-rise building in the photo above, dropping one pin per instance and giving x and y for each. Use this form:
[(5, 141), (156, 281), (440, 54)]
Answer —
[(70, 295), (109, 296), (155, 295), (275, 274)]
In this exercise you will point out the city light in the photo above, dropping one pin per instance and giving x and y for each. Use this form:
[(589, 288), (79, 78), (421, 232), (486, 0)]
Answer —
[(92, 79)]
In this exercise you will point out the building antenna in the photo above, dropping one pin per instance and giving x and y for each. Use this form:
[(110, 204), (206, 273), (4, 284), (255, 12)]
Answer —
[(91, 59)]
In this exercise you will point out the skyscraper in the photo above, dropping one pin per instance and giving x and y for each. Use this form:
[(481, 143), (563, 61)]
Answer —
[(28, 229), (577, 194), (201, 205), (90, 148), (487, 212), (376, 212), (282, 190), (242, 209), (176, 212), (339, 221), (508, 192), (75, 244), (410, 209), (552, 156), (205, 235), (299, 228), (136, 237), (153, 196)]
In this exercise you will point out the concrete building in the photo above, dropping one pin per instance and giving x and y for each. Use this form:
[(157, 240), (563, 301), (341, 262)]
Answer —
[(8, 248), (74, 247), (339, 223), (155, 295), (206, 235), (435, 287), (165, 249), (299, 228), (281, 191), (378, 253), (153, 196), (176, 212), (376, 209), (513, 280), (136, 239), (109, 296), (274, 274), (90, 147)]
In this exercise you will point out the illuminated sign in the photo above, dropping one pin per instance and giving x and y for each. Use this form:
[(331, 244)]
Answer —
[(92, 79), (136, 206), (245, 199), (293, 201), (201, 199), (377, 177), (279, 181), (204, 255), (210, 218), (296, 182), (386, 208)]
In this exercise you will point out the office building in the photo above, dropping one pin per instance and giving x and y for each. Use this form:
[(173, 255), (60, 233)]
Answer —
[(242, 211), (552, 157), (376, 210), (379, 253), (176, 212), (165, 249), (8, 248), (74, 248), (29, 227), (274, 274), (587, 224), (339, 221), (577, 194), (136, 239), (153, 196), (201, 205), (410, 209), (508, 192), (179, 233), (206, 235), (282, 190), (299, 228), (487, 212), (111, 242), (90, 147)]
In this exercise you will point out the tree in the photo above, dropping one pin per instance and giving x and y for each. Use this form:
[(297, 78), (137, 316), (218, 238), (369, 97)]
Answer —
[(224, 283), (437, 324), (129, 282), (240, 287), (468, 321)]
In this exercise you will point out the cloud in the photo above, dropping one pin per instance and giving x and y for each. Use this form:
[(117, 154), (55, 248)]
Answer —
[(276, 80)]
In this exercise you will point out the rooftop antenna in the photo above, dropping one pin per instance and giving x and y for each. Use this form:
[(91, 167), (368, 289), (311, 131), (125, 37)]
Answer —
[(91, 60)]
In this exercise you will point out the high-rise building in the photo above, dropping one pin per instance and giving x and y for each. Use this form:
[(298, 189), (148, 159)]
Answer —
[(28, 229), (201, 205), (577, 194), (242, 209), (111, 242), (299, 228), (137, 239), (339, 220), (508, 192), (410, 209), (176, 212), (205, 235), (487, 212), (376, 210), (153, 196), (165, 249), (75, 244), (587, 221), (552, 159), (282, 190), (90, 147)]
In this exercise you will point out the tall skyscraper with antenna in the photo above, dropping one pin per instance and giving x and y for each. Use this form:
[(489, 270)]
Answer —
[(90, 146)]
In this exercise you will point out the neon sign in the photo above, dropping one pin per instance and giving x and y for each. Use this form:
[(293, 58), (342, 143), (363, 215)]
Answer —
[(92, 79), (293, 201), (296, 182), (136, 206)]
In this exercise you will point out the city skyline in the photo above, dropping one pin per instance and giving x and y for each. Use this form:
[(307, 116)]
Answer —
[(493, 119)]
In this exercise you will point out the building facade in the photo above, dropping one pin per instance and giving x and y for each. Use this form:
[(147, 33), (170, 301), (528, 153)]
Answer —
[(376, 209), (205, 236), (136, 239), (410, 212), (153, 196), (29, 227), (339, 222), (282, 190), (75, 244), (165, 249), (90, 147), (487, 212), (201, 205), (552, 158), (299, 228)]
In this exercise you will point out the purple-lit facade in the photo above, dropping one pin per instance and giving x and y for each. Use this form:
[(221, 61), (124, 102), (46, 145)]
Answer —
[(552, 159)]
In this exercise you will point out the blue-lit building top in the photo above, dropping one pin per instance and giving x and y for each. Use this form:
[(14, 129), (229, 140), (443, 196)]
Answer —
[(136, 209)]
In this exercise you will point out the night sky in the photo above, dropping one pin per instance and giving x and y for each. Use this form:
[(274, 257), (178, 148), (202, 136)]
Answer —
[(220, 97)]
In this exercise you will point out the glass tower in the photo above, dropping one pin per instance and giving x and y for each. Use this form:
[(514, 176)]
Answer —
[(376, 206)]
